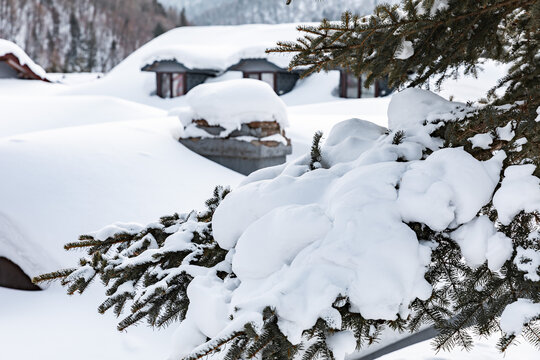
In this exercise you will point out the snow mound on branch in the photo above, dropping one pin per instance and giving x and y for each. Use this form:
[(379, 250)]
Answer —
[(412, 107), (479, 241), (517, 314), (482, 141), (520, 190), (230, 104), (7, 47), (448, 188), (299, 239)]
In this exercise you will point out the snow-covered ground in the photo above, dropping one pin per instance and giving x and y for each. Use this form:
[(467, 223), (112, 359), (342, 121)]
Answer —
[(80, 155)]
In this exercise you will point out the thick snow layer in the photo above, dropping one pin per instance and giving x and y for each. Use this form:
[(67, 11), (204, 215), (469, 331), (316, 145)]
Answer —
[(218, 48), (360, 200), (24, 88), (414, 106), (520, 190), (479, 241), (66, 182), (215, 47), (231, 103), (60, 326), (126, 172), (518, 314), (448, 188), (7, 47), (36, 113)]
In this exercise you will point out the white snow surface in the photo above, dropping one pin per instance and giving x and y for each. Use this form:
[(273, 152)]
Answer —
[(415, 106), (479, 241), (219, 47), (8, 47), (482, 141), (341, 343), (27, 114), (506, 133), (231, 103), (69, 181), (518, 314)]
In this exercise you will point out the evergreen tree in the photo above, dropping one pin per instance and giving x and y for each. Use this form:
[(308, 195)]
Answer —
[(91, 49), (74, 55), (428, 39), (183, 21), (158, 30)]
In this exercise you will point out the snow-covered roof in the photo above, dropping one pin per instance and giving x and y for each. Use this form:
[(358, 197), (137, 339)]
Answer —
[(232, 103), (220, 47), (25, 64), (64, 177)]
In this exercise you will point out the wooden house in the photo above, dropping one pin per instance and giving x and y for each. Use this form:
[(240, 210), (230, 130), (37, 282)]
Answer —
[(11, 67), (280, 79), (351, 86), (175, 79)]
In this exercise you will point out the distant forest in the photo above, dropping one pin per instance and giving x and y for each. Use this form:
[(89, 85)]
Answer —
[(95, 35), (84, 35)]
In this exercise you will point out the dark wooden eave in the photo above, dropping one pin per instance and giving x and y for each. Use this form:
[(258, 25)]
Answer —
[(254, 65), (173, 66), (23, 71)]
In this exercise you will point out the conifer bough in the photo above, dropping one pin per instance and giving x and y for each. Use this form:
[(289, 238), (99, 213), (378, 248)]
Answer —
[(147, 271)]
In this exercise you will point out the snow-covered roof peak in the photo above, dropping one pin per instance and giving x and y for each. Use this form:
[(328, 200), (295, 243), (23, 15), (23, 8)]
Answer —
[(219, 47), (234, 102), (10, 48)]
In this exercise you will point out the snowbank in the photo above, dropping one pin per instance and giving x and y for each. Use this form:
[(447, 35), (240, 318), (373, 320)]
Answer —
[(7, 47), (36, 113), (66, 182)]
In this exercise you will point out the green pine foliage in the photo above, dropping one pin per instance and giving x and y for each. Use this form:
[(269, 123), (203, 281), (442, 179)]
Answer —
[(149, 270), (443, 39), (316, 155)]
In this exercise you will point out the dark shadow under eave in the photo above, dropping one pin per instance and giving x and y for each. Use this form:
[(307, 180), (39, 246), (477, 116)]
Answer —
[(12, 276)]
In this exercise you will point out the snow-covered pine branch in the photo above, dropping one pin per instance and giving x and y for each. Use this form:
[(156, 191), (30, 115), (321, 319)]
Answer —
[(148, 267), (304, 262)]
